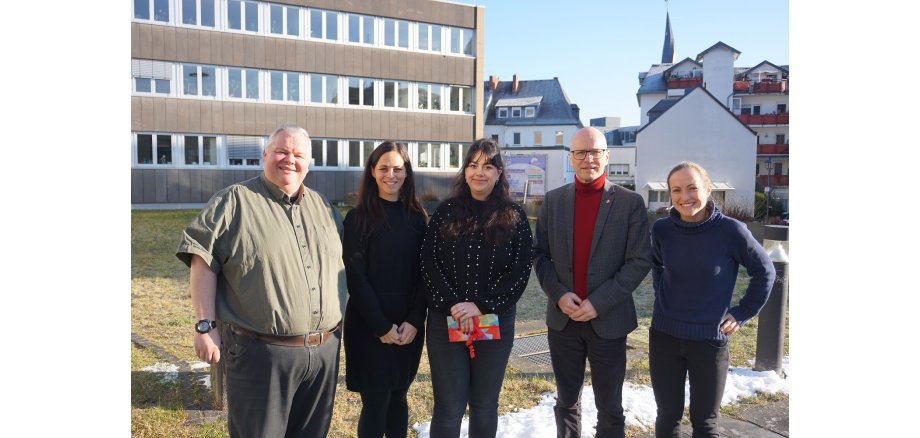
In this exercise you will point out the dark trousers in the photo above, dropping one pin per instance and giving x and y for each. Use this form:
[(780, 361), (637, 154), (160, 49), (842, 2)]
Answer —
[(383, 412), (279, 391), (457, 379), (568, 350), (671, 360)]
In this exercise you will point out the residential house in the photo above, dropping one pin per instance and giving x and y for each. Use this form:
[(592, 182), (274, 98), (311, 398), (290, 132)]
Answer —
[(756, 97), (533, 122)]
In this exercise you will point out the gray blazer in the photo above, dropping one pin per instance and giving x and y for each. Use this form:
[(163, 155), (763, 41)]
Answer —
[(620, 256)]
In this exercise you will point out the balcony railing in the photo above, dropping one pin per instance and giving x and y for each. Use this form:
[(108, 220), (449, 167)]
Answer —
[(685, 83), (764, 119), (773, 180), (773, 149), (770, 87), (761, 87)]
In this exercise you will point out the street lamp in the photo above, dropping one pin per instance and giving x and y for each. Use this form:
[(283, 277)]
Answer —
[(769, 189)]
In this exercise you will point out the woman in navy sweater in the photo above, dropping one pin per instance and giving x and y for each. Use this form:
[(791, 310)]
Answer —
[(696, 252)]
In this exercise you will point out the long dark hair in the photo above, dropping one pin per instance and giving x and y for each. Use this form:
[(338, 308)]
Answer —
[(498, 218), (370, 209)]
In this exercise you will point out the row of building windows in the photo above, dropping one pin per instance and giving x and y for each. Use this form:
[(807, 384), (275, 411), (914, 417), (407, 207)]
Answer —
[(153, 150), (529, 111), (537, 138), (286, 21), (270, 86), (739, 107), (617, 169)]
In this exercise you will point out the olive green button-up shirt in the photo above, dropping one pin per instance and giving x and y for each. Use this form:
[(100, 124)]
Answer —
[(278, 261)]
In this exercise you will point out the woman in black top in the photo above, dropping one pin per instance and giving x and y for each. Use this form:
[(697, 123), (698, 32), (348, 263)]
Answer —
[(476, 259), (385, 310)]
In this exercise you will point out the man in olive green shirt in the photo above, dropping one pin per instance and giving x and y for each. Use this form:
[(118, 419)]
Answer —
[(266, 262)]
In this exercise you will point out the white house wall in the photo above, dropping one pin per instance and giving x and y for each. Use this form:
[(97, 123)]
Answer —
[(647, 102), (622, 155), (719, 74), (767, 102), (506, 134), (687, 69), (698, 129), (767, 133), (764, 69)]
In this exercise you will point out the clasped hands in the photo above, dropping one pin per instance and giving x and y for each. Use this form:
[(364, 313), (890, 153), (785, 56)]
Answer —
[(576, 308), (401, 335), (463, 313)]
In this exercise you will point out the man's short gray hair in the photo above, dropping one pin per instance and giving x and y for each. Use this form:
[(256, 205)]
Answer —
[(291, 130)]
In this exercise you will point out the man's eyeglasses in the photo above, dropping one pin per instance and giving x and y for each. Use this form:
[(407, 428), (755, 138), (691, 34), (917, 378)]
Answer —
[(595, 153)]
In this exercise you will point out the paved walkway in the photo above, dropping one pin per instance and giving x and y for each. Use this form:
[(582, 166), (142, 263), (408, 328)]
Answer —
[(769, 420)]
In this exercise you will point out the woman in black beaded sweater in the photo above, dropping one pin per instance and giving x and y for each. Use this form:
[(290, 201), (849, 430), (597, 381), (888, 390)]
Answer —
[(476, 259), (385, 309)]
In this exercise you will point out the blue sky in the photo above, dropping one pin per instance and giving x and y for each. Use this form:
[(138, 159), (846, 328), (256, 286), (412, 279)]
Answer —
[(597, 48)]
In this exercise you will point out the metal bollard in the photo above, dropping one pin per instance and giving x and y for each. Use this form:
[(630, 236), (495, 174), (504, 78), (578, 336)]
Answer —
[(771, 325)]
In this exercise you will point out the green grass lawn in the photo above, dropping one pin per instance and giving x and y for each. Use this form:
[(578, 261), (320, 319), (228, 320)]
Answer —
[(161, 313)]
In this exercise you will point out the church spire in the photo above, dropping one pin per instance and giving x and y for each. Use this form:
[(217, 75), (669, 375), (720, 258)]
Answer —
[(667, 53)]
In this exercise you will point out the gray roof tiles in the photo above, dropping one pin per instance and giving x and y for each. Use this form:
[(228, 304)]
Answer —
[(554, 106)]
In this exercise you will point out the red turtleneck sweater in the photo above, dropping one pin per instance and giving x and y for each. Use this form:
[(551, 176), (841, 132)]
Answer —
[(587, 203)]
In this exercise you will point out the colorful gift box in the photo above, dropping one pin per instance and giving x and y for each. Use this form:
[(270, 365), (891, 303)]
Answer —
[(487, 326)]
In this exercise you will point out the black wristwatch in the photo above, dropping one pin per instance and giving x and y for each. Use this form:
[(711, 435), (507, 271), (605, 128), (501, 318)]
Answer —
[(205, 325)]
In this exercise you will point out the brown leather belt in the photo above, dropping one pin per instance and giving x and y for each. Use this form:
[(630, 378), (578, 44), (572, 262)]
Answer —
[(311, 339)]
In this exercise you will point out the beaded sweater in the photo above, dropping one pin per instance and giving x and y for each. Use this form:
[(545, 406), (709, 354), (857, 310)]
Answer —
[(471, 269)]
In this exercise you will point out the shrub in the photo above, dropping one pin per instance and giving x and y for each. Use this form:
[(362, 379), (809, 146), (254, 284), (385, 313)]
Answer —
[(760, 206), (737, 211)]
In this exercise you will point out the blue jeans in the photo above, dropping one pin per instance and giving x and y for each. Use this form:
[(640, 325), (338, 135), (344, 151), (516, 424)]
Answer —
[(670, 361), (458, 380)]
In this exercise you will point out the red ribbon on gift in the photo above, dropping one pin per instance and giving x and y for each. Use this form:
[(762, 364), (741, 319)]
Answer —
[(474, 335)]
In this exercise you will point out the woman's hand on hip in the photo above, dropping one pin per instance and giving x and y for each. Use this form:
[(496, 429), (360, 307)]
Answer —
[(728, 324)]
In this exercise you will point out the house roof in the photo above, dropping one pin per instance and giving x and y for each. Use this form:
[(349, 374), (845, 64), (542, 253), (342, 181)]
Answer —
[(695, 90), (715, 46), (668, 71), (663, 105), (554, 106), (615, 137), (653, 82), (765, 62), (521, 101)]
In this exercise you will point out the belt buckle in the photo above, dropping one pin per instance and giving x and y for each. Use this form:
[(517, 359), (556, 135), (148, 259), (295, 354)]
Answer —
[(314, 339)]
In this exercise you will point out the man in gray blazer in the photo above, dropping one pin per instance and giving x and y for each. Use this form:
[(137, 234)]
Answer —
[(591, 251)]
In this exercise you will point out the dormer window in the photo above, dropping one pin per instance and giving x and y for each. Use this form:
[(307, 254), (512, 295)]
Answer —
[(516, 111), (530, 111), (503, 113)]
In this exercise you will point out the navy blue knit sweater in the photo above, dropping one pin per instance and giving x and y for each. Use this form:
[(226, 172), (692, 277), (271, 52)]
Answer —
[(694, 267)]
